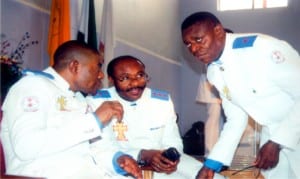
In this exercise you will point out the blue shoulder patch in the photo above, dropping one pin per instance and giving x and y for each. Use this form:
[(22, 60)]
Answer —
[(242, 42), (102, 94), (160, 94), (36, 72)]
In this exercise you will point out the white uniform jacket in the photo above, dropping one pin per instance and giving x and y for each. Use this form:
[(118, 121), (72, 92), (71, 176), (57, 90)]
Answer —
[(46, 128), (259, 76), (151, 121), (150, 124)]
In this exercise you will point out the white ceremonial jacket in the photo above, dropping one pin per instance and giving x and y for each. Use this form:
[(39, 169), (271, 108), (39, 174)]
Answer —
[(151, 121), (259, 76), (150, 124), (46, 129)]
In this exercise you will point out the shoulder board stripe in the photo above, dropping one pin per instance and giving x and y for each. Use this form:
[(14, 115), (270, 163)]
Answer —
[(102, 94), (242, 42), (38, 73), (159, 94)]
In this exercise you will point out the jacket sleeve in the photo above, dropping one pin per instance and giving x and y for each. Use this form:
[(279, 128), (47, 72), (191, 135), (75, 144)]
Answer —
[(236, 122)]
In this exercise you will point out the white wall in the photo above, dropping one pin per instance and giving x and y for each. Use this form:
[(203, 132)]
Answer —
[(16, 20)]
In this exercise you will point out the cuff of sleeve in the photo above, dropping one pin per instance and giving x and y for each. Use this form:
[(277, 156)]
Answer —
[(98, 120), (116, 165), (214, 165)]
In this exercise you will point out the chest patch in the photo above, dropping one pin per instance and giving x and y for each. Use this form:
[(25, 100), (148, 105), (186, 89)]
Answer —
[(160, 94)]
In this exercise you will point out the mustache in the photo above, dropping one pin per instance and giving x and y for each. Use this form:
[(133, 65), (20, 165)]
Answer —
[(137, 87)]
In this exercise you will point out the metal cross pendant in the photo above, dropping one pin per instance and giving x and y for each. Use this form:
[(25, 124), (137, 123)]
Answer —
[(120, 129)]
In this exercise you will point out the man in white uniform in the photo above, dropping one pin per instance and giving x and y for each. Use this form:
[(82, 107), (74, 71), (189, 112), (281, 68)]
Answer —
[(149, 123), (47, 125), (257, 76)]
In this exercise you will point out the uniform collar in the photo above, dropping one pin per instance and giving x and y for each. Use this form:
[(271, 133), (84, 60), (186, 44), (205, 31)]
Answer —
[(58, 79)]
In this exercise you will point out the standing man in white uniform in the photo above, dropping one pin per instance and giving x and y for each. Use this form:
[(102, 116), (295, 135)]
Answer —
[(47, 125), (149, 120), (256, 75)]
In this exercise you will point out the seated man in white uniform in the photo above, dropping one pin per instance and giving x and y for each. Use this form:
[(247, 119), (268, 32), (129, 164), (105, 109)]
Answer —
[(149, 122), (47, 125)]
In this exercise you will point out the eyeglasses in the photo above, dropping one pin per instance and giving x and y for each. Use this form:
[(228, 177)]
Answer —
[(126, 78)]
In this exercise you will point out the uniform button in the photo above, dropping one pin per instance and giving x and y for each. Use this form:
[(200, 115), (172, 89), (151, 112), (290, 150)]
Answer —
[(222, 69), (253, 90)]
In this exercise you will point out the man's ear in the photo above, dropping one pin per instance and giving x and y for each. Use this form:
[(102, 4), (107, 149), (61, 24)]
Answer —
[(219, 31), (74, 66), (110, 80)]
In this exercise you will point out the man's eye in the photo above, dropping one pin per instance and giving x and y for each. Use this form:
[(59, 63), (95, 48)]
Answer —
[(188, 45), (199, 40), (140, 75), (124, 78)]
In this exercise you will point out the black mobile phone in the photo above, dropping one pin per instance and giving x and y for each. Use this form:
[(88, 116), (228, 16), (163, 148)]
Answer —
[(171, 154)]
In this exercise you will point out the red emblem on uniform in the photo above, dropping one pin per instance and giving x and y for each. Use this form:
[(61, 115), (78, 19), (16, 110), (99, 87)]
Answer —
[(30, 104), (277, 57)]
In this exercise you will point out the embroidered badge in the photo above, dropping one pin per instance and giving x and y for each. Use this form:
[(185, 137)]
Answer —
[(62, 103), (120, 128), (30, 104), (159, 94), (277, 57), (242, 42)]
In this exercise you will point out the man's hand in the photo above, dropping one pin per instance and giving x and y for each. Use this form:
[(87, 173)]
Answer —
[(268, 155), (205, 173), (158, 162), (108, 110), (130, 166)]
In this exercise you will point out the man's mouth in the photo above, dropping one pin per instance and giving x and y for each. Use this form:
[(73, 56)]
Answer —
[(135, 91)]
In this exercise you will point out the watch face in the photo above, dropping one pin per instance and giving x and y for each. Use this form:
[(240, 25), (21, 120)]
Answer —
[(141, 163)]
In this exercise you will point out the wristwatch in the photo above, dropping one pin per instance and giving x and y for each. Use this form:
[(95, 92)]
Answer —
[(140, 161)]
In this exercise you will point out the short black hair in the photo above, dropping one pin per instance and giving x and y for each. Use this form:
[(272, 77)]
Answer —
[(68, 50), (199, 17), (111, 65)]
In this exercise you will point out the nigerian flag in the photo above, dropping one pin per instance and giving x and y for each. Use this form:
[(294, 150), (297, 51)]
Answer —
[(87, 29)]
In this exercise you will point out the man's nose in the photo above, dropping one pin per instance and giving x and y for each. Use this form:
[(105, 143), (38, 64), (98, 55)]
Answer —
[(100, 75), (193, 48)]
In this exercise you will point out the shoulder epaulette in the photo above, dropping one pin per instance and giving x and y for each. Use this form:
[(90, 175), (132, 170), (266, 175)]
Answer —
[(102, 94), (159, 94), (242, 42), (38, 73)]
